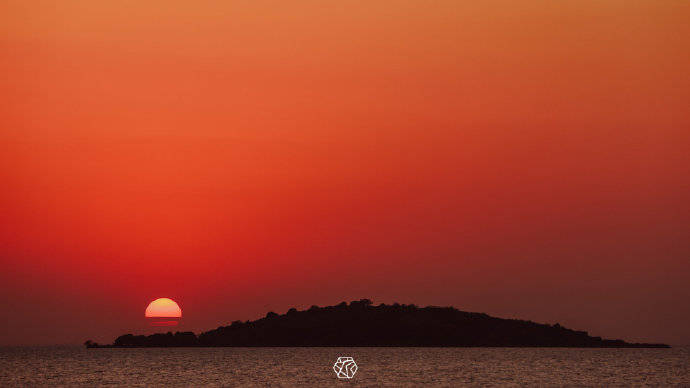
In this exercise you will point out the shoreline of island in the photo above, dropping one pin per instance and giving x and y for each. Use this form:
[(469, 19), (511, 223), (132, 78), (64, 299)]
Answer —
[(361, 324)]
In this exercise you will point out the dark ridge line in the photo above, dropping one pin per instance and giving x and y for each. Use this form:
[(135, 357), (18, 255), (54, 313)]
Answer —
[(361, 324)]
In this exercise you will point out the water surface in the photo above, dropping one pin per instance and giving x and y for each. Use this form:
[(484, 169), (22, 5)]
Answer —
[(313, 366)]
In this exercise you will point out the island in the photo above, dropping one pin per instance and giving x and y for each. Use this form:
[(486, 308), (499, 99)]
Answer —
[(360, 323)]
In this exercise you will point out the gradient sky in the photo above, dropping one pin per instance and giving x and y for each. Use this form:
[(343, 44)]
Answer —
[(524, 159)]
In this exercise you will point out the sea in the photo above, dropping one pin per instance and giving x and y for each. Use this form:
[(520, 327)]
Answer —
[(388, 367)]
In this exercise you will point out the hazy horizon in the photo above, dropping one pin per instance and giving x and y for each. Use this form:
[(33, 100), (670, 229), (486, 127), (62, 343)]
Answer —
[(522, 159)]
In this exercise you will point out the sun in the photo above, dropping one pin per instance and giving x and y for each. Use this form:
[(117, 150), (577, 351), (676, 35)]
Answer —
[(163, 312)]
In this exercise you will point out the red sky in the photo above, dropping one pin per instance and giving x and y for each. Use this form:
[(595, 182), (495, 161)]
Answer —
[(523, 159)]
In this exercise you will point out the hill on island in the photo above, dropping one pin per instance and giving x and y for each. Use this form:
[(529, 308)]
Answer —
[(360, 323)]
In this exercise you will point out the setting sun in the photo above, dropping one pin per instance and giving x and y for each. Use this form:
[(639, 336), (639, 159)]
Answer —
[(163, 312)]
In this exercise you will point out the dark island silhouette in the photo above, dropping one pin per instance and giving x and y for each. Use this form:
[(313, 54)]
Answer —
[(362, 324)]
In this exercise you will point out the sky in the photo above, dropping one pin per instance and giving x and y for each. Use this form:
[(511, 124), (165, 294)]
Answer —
[(523, 159)]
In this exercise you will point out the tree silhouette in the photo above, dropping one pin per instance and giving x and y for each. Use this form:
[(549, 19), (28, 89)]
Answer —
[(360, 323)]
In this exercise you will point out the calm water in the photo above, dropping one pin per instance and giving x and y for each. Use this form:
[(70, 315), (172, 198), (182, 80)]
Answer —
[(312, 366)]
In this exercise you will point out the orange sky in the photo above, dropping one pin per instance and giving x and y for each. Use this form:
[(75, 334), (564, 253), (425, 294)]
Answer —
[(524, 159)]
